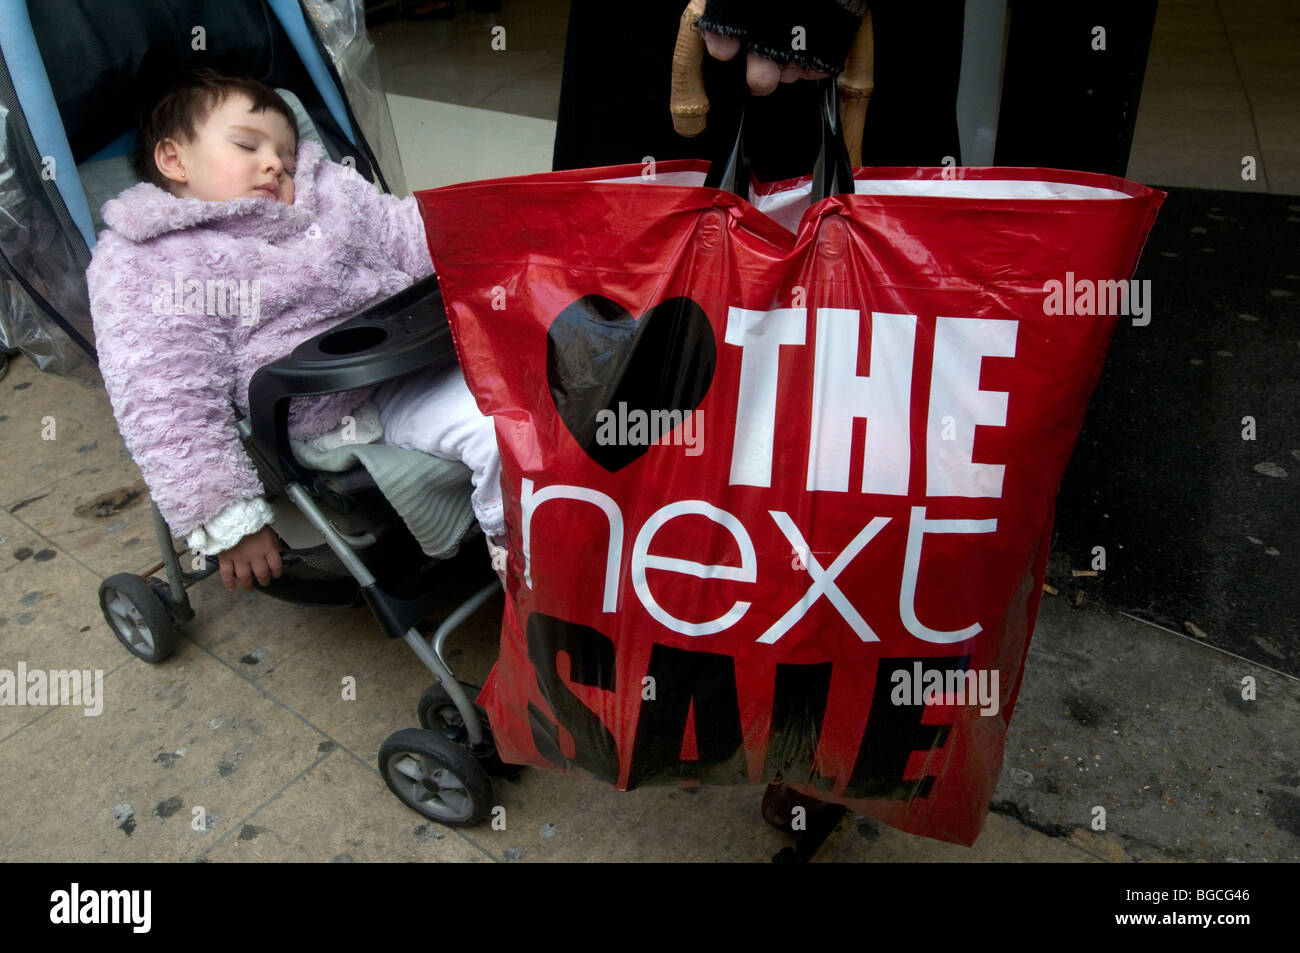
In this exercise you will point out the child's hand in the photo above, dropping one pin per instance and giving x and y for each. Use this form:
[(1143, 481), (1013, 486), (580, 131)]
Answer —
[(257, 554)]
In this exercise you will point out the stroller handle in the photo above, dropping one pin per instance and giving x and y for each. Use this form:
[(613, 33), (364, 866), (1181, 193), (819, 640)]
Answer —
[(401, 334)]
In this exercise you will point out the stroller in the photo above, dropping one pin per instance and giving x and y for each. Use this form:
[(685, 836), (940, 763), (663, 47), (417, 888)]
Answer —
[(70, 85)]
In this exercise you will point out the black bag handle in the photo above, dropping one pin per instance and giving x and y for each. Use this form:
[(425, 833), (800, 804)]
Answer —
[(832, 174)]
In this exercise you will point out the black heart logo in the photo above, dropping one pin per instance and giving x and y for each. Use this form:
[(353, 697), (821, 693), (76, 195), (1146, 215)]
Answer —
[(601, 359)]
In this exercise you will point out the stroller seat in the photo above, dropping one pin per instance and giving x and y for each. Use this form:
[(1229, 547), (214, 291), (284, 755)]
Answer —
[(424, 497)]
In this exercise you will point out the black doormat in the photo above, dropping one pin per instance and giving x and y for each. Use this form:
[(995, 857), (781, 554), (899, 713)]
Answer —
[(1198, 524)]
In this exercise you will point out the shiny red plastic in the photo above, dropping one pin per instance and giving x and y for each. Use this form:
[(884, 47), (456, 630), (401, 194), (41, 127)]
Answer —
[(830, 566)]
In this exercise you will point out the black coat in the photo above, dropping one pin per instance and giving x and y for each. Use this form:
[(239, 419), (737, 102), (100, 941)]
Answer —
[(617, 67)]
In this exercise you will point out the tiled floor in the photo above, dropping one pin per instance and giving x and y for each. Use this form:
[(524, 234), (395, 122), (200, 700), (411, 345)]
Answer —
[(1222, 84), (465, 110)]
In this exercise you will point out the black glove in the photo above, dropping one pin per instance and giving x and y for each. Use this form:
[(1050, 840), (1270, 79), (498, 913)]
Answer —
[(767, 28)]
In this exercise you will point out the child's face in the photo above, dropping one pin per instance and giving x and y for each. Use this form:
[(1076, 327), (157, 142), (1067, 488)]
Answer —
[(235, 153)]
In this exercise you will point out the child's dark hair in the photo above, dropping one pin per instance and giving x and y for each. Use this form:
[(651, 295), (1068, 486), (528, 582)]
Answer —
[(186, 103)]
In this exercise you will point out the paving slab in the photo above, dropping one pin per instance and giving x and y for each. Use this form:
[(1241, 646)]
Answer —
[(251, 630), (388, 677), (1190, 753), (49, 618), (339, 811), (101, 515), (80, 416), (180, 752)]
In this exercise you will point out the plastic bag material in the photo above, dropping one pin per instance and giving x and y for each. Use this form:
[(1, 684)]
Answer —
[(340, 26), (779, 480), (24, 328), (42, 256)]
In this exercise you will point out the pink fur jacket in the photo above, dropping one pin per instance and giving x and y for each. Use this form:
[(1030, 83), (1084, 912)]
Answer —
[(190, 298)]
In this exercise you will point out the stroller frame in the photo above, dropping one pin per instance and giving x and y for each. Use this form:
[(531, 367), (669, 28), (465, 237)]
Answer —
[(408, 332)]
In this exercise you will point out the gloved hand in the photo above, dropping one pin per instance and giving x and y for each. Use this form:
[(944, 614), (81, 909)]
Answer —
[(785, 41)]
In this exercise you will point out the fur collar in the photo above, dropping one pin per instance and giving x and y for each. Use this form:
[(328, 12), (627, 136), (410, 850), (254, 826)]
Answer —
[(145, 211)]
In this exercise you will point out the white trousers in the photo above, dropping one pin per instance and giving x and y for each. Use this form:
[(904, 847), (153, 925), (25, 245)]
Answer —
[(434, 412)]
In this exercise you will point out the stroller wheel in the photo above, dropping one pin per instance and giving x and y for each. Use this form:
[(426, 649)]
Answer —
[(435, 777), (438, 712), (138, 616)]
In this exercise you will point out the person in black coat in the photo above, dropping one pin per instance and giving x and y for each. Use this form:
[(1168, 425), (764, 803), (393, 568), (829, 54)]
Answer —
[(614, 103), (618, 61)]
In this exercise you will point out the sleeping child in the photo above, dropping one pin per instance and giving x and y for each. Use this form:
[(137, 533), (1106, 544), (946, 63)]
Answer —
[(230, 195)]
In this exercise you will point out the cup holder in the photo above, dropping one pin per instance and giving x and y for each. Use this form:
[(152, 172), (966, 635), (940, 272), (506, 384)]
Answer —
[(353, 340)]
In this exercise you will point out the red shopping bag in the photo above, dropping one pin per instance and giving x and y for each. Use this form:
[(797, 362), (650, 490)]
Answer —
[(779, 479)]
